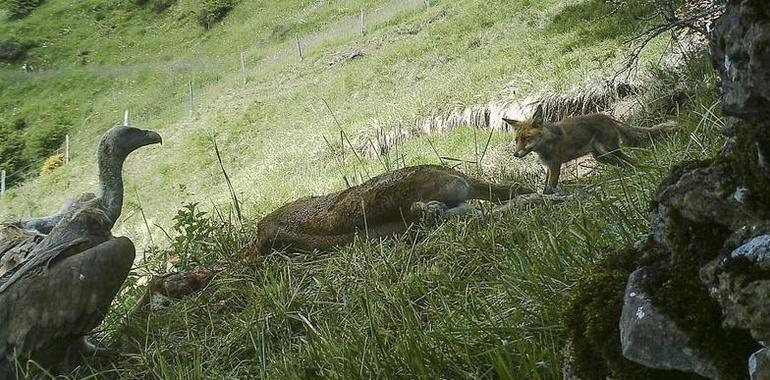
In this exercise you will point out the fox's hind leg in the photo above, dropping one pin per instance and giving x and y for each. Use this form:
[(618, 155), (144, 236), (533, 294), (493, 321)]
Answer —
[(611, 155)]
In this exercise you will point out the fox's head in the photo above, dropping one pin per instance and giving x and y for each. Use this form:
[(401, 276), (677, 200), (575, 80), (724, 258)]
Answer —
[(529, 134)]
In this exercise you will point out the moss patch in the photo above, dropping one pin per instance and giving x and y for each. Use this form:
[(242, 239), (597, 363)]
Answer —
[(592, 322), (680, 294)]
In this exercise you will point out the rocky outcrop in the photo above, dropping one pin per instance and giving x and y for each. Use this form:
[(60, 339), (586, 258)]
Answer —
[(701, 302)]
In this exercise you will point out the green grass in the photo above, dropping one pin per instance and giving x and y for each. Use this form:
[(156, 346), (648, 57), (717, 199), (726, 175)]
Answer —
[(477, 298), (463, 53), (474, 298)]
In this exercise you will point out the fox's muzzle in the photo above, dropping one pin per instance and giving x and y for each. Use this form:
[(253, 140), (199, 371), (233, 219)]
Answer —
[(521, 153)]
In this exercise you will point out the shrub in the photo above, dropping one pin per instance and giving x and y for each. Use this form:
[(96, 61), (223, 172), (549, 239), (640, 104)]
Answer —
[(157, 5), (12, 50), (213, 11), (20, 8), (161, 5), (53, 162)]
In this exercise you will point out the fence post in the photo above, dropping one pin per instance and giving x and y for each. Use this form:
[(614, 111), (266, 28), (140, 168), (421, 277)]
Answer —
[(427, 3), (363, 25), (299, 48), (2, 184), (192, 106), (125, 119), (243, 68), (67, 149)]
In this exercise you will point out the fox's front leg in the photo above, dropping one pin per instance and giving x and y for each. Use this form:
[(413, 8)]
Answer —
[(552, 178)]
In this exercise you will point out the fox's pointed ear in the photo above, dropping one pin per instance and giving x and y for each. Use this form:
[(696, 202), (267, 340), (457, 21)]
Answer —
[(538, 117), (511, 122)]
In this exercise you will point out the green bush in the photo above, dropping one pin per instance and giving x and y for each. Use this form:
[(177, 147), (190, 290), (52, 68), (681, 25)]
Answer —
[(213, 11), (156, 5), (12, 50), (161, 5), (20, 8)]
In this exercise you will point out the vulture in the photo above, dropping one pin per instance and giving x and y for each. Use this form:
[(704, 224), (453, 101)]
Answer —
[(45, 224), (64, 289), (17, 240)]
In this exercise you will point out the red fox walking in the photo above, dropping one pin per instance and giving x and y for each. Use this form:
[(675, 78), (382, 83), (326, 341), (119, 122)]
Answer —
[(566, 140)]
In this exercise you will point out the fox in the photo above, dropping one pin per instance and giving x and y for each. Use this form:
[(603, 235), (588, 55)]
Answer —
[(559, 142), (385, 205)]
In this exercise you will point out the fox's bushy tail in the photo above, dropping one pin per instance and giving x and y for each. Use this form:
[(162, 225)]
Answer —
[(636, 136)]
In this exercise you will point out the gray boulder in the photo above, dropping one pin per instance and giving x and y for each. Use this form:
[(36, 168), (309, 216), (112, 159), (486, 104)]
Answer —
[(652, 339), (740, 282)]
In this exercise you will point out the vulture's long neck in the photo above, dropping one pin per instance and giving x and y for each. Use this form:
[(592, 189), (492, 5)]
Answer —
[(111, 182)]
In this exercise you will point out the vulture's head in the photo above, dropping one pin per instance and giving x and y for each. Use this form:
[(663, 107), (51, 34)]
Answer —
[(119, 142)]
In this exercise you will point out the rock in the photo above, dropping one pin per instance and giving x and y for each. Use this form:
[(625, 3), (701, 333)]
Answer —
[(651, 339), (759, 365), (740, 282), (756, 250), (704, 195), (741, 53), (659, 225), (344, 56)]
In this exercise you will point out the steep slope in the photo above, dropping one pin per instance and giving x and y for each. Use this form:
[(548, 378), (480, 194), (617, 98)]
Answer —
[(473, 299), (415, 62)]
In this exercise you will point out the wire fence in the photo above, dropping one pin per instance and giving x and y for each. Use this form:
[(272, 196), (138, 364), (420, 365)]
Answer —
[(287, 53), (34, 167)]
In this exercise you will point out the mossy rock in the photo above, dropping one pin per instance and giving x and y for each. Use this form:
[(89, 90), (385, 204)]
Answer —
[(754, 140), (680, 294), (592, 323)]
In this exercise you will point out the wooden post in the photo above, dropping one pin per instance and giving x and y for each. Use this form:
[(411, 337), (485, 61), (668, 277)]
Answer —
[(192, 105), (243, 68), (299, 48), (363, 25), (2, 184), (125, 119), (66, 149)]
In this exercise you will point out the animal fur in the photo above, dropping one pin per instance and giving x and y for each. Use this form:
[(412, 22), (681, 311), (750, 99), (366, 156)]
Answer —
[(382, 206), (563, 141)]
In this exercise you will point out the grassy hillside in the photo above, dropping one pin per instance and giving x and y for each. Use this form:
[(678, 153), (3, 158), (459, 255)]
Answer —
[(416, 62), (473, 298)]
